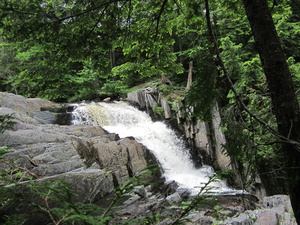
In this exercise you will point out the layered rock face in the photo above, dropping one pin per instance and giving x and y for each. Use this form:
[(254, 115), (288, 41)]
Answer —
[(49, 149), (209, 138), (199, 134), (91, 160), (206, 139)]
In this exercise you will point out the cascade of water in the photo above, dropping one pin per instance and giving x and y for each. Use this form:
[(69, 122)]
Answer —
[(170, 150)]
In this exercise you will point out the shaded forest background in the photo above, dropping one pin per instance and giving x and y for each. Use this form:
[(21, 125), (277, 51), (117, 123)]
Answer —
[(70, 51)]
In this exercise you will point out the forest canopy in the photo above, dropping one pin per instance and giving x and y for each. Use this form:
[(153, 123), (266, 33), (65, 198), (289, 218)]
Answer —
[(72, 50), (75, 50)]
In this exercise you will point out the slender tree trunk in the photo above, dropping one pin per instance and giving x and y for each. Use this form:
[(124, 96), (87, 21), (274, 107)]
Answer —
[(190, 76), (284, 99), (112, 55)]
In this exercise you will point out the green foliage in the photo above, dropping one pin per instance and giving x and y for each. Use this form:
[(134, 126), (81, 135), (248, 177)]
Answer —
[(203, 93), (48, 74), (248, 144), (253, 150), (6, 122), (77, 50), (15, 219), (58, 204), (166, 89), (157, 110), (54, 58), (3, 151), (295, 70), (287, 28), (56, 200), (7, 69), (113, 88), (146, 48)]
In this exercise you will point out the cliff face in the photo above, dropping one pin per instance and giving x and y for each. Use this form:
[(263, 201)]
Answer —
[(206, 139), (88, 158), (93, 162)]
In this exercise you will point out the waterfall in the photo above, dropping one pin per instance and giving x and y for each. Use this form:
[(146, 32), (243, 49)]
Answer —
[(170, 150)]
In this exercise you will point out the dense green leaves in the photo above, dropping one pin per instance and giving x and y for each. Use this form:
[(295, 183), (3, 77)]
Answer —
[(87, 49), (6, 122), (58, 41)]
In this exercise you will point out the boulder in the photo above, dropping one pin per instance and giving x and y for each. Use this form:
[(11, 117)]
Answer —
[(49, 149), (184, 192), (92, 162), (22, 105), (88, 158), (146, 99), (14, 102), (137, 97), (278, 201), (96, 186), (167, 109), (276, 209)]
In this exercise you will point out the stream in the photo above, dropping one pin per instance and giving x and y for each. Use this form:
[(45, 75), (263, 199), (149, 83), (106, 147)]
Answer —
[(162, 141)]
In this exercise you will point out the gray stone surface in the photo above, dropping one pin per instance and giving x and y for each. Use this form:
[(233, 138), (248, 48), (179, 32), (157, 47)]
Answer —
[(277, 211), (138, 97), (174, 198), (273, 210), (167, 109), (93, 162), (88, 158)]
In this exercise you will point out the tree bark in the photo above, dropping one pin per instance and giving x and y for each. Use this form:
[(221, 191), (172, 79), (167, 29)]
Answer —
[(281, 87), (112, 55), (165, 80), (190, 76)]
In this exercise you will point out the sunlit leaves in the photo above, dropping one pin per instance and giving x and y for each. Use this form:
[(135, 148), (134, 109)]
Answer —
[(147, 48)]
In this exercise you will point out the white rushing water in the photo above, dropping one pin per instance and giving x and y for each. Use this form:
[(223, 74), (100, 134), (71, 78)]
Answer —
[(170, 151)]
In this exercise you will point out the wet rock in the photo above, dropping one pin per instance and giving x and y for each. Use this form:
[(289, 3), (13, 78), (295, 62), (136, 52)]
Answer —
[(166, 222), (15, 102), (96, 185), (170, 187), (200, 218), (140, 191), (132, 200), (43, 117), (277, 210), (21, 104), (184, 192), (138, 97), (93, 162), (107, 99), (278, 201), (242, 219), (174, 198), (89, 159), (55, 149)]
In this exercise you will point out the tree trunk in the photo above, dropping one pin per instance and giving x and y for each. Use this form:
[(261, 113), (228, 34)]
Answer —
[(165, 80), (190, 76), (112, 55), (284, 99)]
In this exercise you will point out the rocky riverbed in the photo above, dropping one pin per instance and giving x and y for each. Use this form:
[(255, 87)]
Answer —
[(94, 162)]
